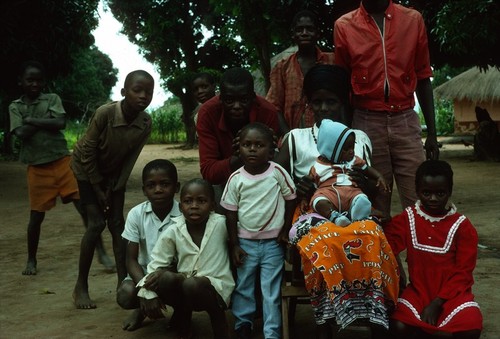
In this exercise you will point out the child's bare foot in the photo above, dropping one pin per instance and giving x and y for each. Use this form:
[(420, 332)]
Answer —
[(134, 321), (82, 300), (106, 261), (30, 267)]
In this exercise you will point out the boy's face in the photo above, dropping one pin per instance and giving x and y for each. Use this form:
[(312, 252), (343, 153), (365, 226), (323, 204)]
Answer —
[(196, 204), (138, 93), (160, 188), (305, 33), (347, 152), (203, 90), (434, 192), (237, 101), (32, 82), (255, 150)]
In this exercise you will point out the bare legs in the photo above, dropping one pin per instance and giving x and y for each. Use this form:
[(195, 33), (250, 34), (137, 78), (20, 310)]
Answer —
[(103, 257), (193, 294), (96, 224), (33, 237), (126, 297)]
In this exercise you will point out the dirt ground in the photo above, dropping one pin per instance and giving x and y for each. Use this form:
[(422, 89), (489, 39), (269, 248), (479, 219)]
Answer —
[(41, 306)]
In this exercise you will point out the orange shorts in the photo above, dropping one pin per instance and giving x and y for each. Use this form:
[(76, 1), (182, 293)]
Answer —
[(48, 181)]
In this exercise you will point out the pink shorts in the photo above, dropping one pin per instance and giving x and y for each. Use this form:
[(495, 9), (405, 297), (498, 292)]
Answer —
[(48, 181)]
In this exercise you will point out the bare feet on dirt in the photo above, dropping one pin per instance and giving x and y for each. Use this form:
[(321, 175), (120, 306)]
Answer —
[(134, 321), (81, 299), (30, 268)]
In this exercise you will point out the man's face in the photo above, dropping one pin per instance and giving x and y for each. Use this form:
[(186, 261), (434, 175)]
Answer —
[(305, 33), (237, 101)]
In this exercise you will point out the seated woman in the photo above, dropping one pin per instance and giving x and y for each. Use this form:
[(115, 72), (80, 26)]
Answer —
[(350, 273)]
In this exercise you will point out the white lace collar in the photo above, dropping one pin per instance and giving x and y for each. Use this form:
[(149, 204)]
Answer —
[(420, 212)]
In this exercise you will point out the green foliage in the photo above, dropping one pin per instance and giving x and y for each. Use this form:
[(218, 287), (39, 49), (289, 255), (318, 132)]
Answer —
[(167, 125), (90, 82), (58, 34), (74, 131), (445, 73), (444, 117), (467, 30)]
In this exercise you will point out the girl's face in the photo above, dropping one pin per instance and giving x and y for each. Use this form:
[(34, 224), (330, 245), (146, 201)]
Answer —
[(347, 152), (255, 150), (196, 204), (326, 105), (434, 192)]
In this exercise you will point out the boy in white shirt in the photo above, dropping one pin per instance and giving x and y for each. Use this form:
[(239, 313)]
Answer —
[(145, 222)]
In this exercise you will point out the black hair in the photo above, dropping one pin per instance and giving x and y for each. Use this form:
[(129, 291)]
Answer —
[(305, 14), (328, 77), (31, 64), (201, 182), (236, 76), (266, 131), (157, 164), (135, 73), (205, 76), (434, 168)]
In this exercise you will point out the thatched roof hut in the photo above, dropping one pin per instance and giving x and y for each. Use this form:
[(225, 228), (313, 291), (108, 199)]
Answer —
[(470, 89)]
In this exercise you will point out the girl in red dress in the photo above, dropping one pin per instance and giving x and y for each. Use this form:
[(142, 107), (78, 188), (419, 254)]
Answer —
[(441, 249)]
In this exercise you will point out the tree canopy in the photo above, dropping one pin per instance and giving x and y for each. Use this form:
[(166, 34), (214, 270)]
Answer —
[(57, 34), (173, 34)]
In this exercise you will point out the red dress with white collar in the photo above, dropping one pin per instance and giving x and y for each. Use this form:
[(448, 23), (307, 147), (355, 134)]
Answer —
[(441, 256)]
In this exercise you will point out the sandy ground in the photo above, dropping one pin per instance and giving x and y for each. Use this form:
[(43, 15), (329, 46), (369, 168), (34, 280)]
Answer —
[(41, 306)]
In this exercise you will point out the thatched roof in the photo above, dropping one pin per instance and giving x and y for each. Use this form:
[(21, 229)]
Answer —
[(474, 85)]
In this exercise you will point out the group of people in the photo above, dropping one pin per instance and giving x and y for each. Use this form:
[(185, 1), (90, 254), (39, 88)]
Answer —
[(286, 170)]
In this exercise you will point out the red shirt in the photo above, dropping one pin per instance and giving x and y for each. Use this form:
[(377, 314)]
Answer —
[(216, 139), (286, 89), (400, 58)]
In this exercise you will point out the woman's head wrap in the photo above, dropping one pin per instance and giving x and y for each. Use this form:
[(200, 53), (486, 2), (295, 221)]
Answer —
[(332, 78)]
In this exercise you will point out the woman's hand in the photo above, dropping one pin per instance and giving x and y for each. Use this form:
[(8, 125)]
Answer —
[(361, 181), (305, 188)]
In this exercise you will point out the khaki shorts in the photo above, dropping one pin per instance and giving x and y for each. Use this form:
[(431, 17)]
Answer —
[(48, 181)]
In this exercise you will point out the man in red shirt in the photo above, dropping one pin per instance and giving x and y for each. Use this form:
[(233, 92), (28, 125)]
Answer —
[(384, 46), (221, 118)]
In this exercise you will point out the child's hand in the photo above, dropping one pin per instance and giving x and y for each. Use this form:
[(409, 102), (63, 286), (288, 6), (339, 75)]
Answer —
[(382, 185), (152, 308), (152, 280), (431, 312), (283, 238), (238, 256), (102, 197)]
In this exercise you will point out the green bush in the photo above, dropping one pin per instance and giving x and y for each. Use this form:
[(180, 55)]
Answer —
[(445, 119), (167, 128)]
